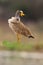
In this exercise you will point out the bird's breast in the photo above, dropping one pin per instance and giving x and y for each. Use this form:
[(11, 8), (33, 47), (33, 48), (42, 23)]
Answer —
[(9, 21)]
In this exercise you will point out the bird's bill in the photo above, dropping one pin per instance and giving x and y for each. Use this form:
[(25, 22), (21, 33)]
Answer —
[(22, 14)]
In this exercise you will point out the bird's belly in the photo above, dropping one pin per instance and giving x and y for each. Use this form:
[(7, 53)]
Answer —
[(17, 30)]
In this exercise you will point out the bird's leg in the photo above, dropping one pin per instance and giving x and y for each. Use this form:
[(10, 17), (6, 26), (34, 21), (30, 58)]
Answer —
[(18, 37)]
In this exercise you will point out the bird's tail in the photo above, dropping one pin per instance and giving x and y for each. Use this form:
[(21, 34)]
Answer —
[(30, 36)]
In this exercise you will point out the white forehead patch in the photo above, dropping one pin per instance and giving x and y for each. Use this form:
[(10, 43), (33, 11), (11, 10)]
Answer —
[(21, 11)]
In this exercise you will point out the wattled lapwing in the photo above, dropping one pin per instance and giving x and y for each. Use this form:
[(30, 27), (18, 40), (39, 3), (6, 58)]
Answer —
[(18, 27)]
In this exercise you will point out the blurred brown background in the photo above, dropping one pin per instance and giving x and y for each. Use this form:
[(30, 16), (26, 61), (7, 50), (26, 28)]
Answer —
[(33, 18)]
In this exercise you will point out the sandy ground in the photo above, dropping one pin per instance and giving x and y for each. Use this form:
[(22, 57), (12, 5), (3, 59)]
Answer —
[(20, 61), (11, 58)]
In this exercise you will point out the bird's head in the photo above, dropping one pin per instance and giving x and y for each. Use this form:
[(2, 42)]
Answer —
[(19, 13), (17, 16)]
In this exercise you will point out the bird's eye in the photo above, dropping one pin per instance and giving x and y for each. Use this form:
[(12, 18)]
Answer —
[(17, 19)]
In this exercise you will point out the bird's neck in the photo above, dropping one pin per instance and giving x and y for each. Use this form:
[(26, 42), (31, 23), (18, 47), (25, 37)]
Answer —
[(17, 14), (18, 18)]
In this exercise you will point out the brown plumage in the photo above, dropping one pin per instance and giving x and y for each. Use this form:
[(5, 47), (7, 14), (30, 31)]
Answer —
[(17, 26), (20, 28)]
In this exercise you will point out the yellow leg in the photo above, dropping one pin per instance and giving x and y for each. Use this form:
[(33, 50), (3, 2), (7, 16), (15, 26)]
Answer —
[(18, 38)]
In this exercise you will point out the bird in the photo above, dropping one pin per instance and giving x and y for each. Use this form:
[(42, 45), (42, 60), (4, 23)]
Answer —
[(18, 27)]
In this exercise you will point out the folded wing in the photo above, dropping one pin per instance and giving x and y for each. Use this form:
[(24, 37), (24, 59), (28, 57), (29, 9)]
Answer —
[(20, 28)]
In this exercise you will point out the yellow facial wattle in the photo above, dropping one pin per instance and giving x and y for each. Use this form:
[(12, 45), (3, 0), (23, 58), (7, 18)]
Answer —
[(22, 14)]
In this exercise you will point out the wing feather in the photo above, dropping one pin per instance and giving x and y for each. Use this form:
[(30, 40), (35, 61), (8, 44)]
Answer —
[(20, 28)]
